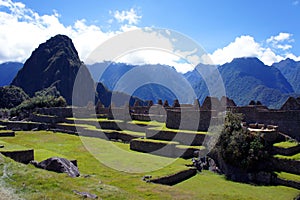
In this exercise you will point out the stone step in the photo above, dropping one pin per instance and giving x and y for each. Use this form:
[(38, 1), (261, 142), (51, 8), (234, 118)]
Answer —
[(3, 128), (171, 149), (7, 133), (184, 137), (287, 148)]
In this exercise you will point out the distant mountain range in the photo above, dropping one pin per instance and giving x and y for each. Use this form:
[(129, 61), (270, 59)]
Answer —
[(8, 72), (56, 63), (245, 79), (291, 71)]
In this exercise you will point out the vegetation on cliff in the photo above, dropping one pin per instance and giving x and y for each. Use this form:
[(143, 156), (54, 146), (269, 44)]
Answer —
[(46, 98), (11, 96)]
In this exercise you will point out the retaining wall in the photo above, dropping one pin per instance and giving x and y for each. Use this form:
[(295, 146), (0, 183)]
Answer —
[(24, 126), (286, 151), (182, 137), (288, 183), (291, 166), (7, 134), (157, 147), (176, 178), (23, 156)]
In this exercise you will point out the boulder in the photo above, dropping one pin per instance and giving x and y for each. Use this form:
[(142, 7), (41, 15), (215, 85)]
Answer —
[(60, 165)]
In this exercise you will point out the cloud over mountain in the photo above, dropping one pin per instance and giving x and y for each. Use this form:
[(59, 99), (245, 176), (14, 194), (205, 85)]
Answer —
[(274, 49), (23, 29)]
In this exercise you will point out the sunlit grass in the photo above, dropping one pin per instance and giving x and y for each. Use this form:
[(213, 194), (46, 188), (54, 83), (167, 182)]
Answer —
[(108, 183), (288, 176), (286, 144), (292, 157)]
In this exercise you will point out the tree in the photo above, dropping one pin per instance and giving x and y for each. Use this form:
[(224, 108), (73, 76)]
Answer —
[(240, 147)]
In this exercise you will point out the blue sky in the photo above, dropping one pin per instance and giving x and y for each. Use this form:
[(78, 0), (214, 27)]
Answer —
[(268, 29)]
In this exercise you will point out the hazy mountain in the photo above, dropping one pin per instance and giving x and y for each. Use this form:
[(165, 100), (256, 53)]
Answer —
[(249, 79), (55, 63), (291, 70), (8, 71), (147, 82), (246, 79)]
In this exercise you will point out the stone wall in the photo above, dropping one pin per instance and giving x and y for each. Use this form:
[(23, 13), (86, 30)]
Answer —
[(287, 121), (180, 136), (23, 156), (154, 147), (45, 118), (189, 119), (291, 166), (288, 183), (286, 151), (24, 126), (7, 134), (176, 178)]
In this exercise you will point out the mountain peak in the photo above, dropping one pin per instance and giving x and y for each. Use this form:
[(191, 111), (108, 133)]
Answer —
[(53, 63), (248, 60)]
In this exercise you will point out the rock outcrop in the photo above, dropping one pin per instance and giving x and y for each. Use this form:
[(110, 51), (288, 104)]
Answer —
[(60, 165)]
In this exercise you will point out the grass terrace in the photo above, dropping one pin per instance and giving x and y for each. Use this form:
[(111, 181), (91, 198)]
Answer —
[(292, 157), (288, 176), (286, 144), (164, 128), (93, 120), (32, 183)]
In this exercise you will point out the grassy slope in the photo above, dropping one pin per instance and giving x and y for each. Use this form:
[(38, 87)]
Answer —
[(108, 183), (210, 186)]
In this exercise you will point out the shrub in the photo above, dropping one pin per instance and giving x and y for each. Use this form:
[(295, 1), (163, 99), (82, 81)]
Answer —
[(240, 147)]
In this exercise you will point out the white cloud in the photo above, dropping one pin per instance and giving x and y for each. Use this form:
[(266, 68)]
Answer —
[(274, 49), (129, 16), (279, 38), (22, 30), (156, 56)]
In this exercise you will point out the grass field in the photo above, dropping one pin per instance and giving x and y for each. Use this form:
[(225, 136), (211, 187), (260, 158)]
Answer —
[(31, 183), (292, 157), (286, 144)]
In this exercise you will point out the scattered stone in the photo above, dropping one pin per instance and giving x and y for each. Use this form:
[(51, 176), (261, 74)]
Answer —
[(86, 194), (147, 178), (60, 165), (87, 176)]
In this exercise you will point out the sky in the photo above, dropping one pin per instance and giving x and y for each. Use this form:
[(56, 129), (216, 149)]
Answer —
[(267, 29)]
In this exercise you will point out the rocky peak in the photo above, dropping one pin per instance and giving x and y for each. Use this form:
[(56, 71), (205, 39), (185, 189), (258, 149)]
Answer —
[(53, 63)]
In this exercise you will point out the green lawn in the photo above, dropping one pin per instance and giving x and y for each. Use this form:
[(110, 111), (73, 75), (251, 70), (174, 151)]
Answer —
[(288, 176), (209, 186), (293, 157), (286, 144), (109, 183)]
